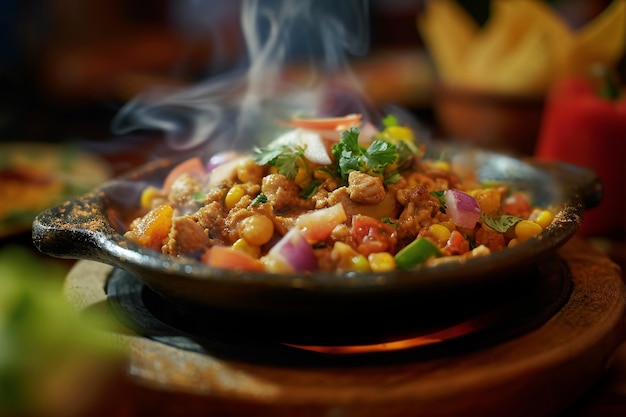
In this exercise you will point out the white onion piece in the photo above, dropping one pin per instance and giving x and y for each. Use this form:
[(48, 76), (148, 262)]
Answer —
[(462, 208), (220, 159), (367, 133), (312, 142), (294, 250), (227, 171)]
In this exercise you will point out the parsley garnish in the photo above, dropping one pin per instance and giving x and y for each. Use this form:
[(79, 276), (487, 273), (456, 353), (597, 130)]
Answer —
[(199, 197), (439, 196), (390, 120), (284, 158), (388, 220), (310, 189), (259, 199), (502, 223), (350, 156)]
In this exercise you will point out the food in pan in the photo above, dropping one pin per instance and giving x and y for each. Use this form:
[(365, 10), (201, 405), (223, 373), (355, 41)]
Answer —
[(332, 194)]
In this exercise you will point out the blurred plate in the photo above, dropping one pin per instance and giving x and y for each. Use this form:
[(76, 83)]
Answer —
[(35, 176)]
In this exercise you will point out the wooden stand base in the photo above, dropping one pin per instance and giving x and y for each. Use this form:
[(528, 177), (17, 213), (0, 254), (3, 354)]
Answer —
[(537, 374)]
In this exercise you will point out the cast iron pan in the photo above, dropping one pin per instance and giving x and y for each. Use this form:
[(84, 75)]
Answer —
[(91, 227)]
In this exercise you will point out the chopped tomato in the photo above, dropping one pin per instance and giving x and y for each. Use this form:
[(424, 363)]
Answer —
[(517, 204), (316, 226), (327, 123), (457, 244), (371, 235), (226, 257), (192, 166)]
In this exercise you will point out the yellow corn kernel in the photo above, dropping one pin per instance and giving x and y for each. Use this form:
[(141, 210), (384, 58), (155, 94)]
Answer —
[(359, 263), (233, 196), (348, 259), (489, 200), (302, 177), (257, 229), (249, 172), (276, 265), (512, 243), (542, 217), (381, 262), (449, 224), (442, 165), (322, 175), (440, 233), (148, 195), (244, 246), (400, 133), (526, 229)]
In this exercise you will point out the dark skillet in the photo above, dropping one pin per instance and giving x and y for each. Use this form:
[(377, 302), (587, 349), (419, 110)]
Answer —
[(90, 227)]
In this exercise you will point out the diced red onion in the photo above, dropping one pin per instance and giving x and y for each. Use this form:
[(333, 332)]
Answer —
[(294, 250), (462, 208)]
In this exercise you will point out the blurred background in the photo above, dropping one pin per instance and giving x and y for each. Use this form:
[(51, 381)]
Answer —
[(67, 67)]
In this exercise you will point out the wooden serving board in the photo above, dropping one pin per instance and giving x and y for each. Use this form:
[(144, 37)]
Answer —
[(537, 374)]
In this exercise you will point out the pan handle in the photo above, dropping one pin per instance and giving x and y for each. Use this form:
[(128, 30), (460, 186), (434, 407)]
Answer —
[(580, 183), (77, 229)]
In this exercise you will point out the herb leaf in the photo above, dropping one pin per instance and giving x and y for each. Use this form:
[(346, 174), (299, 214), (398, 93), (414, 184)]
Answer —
[(350, 156), (502, 223), (259, 199), (442, 201), (390, 120), (282, 157), (310, 189)]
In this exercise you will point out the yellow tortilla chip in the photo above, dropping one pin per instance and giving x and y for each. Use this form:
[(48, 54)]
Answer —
[(602, 41), (527, 70), (511, 54), (559, 37), (523, 47), (447, 30)]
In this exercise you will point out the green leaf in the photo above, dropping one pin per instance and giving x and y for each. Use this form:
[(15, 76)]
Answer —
[(379, 155), (282, 157), (268, 155), (311, 189), (439, 196), (502, 223), (259, 199), (199, 197), (350, 156), (388, 220), (390, 120)]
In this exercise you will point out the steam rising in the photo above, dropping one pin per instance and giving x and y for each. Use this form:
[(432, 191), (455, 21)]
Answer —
[(295, 49)]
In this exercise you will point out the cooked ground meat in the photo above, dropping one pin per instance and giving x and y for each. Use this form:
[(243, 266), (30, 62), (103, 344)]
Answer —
[(187, 237), (211, 217), (490, 238), (420, 210), (365, 189), (284, 194), (183, 190)]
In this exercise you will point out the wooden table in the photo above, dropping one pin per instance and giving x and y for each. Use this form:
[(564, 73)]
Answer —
[(570, 366)]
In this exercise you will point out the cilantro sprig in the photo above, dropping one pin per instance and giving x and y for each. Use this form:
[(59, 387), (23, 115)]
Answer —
[(350, 156), (501, 223), (385, 157), (284, 158)]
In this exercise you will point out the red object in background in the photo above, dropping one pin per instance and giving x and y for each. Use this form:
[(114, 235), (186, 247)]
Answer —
[(582, 127)]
